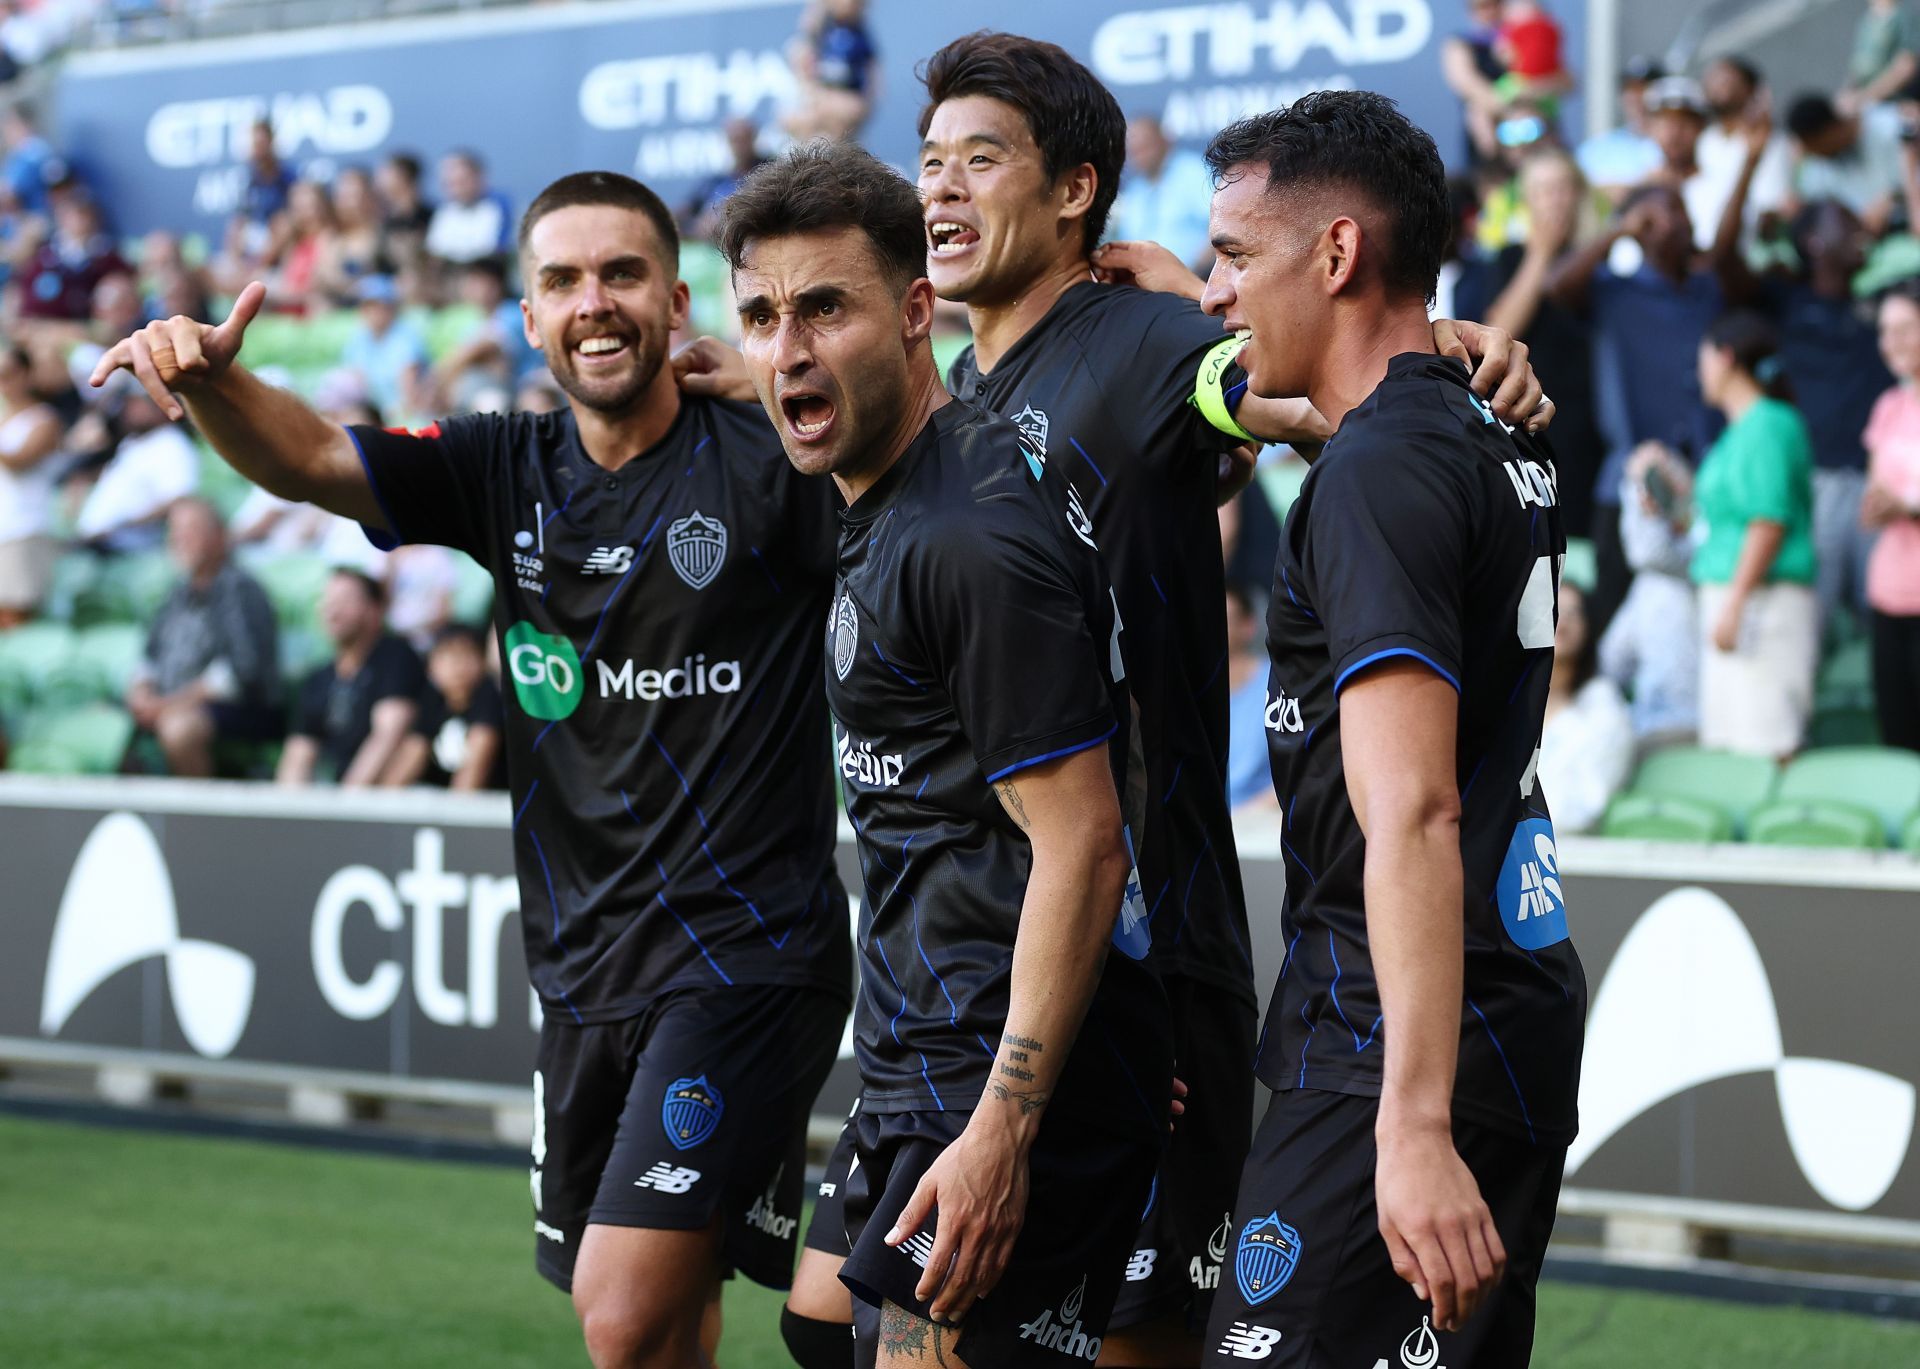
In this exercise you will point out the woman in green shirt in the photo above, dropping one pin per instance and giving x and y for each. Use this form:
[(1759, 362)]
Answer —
[(1754, 560)]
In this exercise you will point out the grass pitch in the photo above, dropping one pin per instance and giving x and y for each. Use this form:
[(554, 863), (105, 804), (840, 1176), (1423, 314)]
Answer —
[(121, 1248)]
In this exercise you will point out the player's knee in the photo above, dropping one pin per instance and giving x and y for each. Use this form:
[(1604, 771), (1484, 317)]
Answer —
[(628, 1333), (816, 1344)]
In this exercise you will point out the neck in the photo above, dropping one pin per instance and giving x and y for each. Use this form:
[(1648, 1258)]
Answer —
[(1355, 362), (611, 440), (1828, 283), (926, 396), (208, 573), (1739, 394), (1001, 323), (353, 654)]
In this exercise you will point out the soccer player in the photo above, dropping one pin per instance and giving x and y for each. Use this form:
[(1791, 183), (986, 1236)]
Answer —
[(660, 577), (1016, 1071), (1424, 1035), (1134, 395)]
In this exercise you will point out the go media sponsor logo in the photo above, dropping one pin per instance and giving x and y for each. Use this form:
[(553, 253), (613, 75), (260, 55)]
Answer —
[(1283, 715), (545, 670), (1062, 1331), (694, 677), (861, 763)]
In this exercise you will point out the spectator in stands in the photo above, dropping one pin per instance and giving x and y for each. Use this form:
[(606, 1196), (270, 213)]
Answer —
[(21, 234), (420, 581), (1512, 294), (1852, 158), (1164, 194), (1651, 648), (58, 280), (1892, 505), (472, 221), (1529, 47), (169, 283), (354, 712), (495, 354), (1676, 117), (1831, 352), (1647, 327), (1625, 156), (405, 214), (29, 159), (386, 351), (353, 247), (1737, 102), (1886, 57), (30, 433), (1249, 779), (153, 465), (1754, 565), (264, 199), (211, 670), (1524, 132), (1587, 744), (1471, 66), (305, 241), (833, 56), (700, 216), (459, 738), (537, 395)]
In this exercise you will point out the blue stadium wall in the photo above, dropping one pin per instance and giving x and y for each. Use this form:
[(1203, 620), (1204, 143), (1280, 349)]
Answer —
[(643, 87)]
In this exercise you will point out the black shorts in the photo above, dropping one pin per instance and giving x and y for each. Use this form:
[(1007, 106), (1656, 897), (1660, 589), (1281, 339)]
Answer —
[(697, 1106), (1086, 1188), (1309, 1284), (1175, 1263), (827, 1232)]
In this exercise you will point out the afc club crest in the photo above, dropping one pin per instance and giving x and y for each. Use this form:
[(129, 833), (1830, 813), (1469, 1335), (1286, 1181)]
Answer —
[(1033, 424), (1269, 1251), (697, 547), (846, 635), (690, 1112)]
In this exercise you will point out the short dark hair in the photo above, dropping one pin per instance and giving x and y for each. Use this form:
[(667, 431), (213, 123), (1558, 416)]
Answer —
[(1640, 194), (1361, 142), (824, 185), (1073, 118), (470, 157), (1810, 115), (1754, 343), (604, 188), (461, 634), (1746, 70), (372, 588), (406, 163)]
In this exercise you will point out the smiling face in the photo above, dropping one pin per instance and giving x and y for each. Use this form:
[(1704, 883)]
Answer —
[(995, 220), (1264, 283), (602, 303), (1900, 335), (828, 339)]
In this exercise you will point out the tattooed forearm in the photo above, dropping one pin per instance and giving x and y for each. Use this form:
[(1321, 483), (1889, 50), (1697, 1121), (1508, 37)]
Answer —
[(1017, 1053), (1010, 800), (1031, 1101)]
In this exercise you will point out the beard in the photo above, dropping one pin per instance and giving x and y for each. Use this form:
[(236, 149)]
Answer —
[(612, 394)]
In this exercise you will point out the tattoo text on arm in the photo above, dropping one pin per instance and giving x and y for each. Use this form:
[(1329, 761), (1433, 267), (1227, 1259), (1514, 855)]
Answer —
[(1010, 800)]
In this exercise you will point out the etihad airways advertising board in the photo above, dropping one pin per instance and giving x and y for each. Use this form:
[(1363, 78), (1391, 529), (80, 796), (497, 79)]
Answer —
[(644, 87)]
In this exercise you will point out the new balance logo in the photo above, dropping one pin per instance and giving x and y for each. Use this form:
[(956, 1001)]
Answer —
[(1246, 1341), (918, 1247), (608, 561), (1140, 1267), (668, 1178), (554, 1234)]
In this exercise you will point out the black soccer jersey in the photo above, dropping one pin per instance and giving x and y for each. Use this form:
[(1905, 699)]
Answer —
[(667, 742), (1425, 530), (972, 636), (1103, 387)]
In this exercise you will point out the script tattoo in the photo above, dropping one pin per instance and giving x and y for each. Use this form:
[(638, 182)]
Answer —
[(1019, 1051), (905, 1336), (1010, 800)]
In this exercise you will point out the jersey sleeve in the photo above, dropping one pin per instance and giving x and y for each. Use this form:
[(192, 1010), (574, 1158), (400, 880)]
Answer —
[(1188, 366), (435, 484), (1386, 550), (1005, 627)]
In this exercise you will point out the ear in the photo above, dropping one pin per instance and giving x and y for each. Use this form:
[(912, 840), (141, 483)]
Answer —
[(916, 313), (1077, 187), (531, 333), (682, 306), (1339, 254)]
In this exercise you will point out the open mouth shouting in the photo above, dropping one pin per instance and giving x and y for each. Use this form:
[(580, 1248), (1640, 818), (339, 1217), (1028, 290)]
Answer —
[(950, 238), (808, 413)]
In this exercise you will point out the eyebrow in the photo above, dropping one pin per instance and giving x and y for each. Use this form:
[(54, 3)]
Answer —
[(811, 297), (927, 144), (629, 259), (1222, 241)]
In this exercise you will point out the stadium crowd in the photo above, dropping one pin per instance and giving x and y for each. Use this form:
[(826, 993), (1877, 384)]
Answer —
[(1722, 295)]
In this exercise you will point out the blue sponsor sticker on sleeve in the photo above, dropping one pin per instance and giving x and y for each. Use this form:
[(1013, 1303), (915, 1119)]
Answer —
[(1532, 907)]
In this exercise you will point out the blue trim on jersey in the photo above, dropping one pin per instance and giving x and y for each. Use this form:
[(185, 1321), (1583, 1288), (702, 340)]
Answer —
[(543, 734), (1155, 580), (1293, 598), (894, 668), (660, 897), (765, 569), (1333, 992), (1311, 1028), (1287, 846), (1214, 674), (726, 882), (998, 775), (1421, 657), (547, 522), (696, 449), (1186, 895), (1525, 670), (1497, 1050), (531, 790), (613, 594), (1174, 782), (1098, 474), (1286, 962), (1233, 395), (1468, 787), (379, 539), (686, 788), (923, 786), (894, 1025)]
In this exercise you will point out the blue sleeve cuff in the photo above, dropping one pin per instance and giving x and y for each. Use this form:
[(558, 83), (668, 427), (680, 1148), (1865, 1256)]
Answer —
[(1385, 653), (385, 541), (1072, 748)]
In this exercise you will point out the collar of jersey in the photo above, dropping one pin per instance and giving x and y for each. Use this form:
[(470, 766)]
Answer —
[(875, 501)]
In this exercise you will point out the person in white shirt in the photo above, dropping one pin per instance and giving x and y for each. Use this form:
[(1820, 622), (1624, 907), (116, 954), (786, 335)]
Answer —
[(1587, 743), (472, 221), (30, 435), (154, 465), (1734, 89), (1853, 158)]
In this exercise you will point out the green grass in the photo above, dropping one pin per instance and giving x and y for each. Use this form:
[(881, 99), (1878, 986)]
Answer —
[(122, 1248)]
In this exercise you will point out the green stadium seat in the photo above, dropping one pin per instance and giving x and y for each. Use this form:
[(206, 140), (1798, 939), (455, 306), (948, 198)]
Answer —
[(34, 651), (1846, 677), (1911, 842), (1648, 817), (1581, 567), (445, 329), (1733, 783), (114, 649), (131, 589), (74, 683), (1883, 780), (16, 694), (74, 576), (1844, 725), (293, 585), (86, 741), (1816, 822), (221, 485)]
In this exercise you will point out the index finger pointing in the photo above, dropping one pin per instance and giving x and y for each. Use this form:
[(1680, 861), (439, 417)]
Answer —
[(113, 359)]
